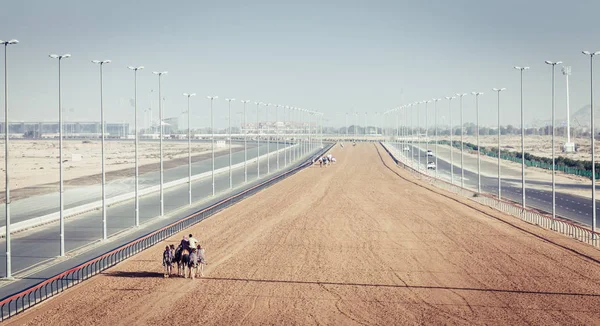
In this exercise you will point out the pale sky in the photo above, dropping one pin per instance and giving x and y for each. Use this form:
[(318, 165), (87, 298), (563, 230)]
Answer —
[(330, 56)]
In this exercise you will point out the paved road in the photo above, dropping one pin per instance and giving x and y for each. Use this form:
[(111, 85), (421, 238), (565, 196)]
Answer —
[(49, 203), (573, 207), (31, 248)]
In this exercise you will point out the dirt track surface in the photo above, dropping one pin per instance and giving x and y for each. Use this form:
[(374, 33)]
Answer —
[(354, 243)]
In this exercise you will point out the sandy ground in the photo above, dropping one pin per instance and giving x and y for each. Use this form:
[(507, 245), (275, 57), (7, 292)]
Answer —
[(34, 166), (355, 243)]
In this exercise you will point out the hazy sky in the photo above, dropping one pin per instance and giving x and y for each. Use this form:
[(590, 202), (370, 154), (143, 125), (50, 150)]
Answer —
[(331, 56)]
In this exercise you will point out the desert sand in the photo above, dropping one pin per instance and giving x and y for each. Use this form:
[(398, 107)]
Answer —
[(360, 242), (34, 163)]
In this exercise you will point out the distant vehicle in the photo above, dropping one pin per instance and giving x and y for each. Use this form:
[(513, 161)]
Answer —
[(431, 166), (406, 149), (429, 152)]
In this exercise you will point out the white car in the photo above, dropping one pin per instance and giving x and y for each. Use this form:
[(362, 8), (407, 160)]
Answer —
[(431, 166), (406, 149), (429, 152)]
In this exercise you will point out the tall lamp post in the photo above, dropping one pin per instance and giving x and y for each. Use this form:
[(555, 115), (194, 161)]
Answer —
[(268, 137), (135, 120), (257, 141), (7, 187), (498, 90), (277, 133), (212, 140), (478, 149), (160, 142), (553, 64), (592, 55), (60, 155), (189, 118), (102, 63), (245, 143), (427, 136), (521, 69), (462, 143), (435, 115), (450, 98), (230, 136)]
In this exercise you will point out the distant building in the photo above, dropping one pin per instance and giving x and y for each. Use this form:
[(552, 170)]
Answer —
[(32, 129)]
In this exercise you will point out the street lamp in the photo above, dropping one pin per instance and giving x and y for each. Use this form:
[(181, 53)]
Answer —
[(450, 98), (268, 137), (7, 188), (102, 63), (427, 137), (245, 143), (189, 118), (462, 143), (230, 136), (161, 135), (435, 115), (592, 55), (135, 119), (553, 64), (498, 90), (478, 147), (521, 69), (212, 130), (257, 141), (60, 155), (285, 149)]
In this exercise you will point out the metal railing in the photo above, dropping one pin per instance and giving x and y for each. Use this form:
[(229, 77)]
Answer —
[(532, 216), (35, 294)]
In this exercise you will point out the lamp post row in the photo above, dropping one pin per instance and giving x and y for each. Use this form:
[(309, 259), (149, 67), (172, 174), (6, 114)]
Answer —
[(101, 64)]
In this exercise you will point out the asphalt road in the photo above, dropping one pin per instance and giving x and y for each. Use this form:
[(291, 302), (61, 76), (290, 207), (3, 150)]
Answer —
[(40, 245), (41, 205), (569, 206)]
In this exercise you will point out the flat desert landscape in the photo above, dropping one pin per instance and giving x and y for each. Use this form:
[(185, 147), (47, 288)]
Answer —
[(358, 243)]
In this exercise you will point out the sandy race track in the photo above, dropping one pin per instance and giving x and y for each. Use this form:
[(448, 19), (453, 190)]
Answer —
[(355, 243)]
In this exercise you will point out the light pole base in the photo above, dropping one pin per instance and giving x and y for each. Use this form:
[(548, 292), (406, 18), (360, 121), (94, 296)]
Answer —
[(569, 148)]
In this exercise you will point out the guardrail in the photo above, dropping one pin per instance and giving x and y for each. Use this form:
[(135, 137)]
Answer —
[(35, 294), (81, 209), (560, 225)]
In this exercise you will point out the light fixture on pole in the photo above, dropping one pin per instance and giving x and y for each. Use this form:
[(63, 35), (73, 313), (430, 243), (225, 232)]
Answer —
[(277, 133), (257, 141), (521, 69), (498, 90), (160, 142), (427, 137), (102, 63), (189, 118), (553, 64), (212, 130), (6, 166), (285, 132), (593, 134), (60, 156), (478, 147), (450, 98), (268, 137), (462, 143), (435, 115), (230, 136), (135, 119), (245, 143)]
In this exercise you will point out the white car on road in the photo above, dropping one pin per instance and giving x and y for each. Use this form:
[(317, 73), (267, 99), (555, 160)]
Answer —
[(406, 149), (429, 152), (431, 166)]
